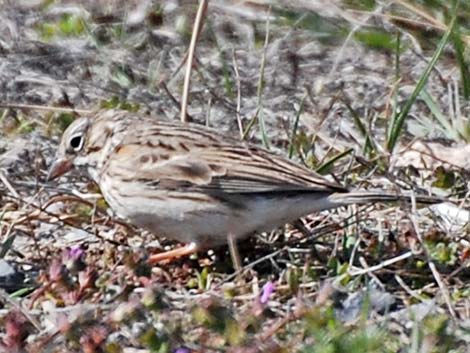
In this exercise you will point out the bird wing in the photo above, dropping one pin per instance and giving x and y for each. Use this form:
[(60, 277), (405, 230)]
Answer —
[(236, 169)]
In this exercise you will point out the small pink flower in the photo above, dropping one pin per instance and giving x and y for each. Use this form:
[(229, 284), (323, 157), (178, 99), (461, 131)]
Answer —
[(183, 350), (266, 292), (76, 252), (74, 258)]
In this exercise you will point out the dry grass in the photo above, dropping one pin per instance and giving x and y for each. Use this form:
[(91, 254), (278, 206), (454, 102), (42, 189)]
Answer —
[(322, 87)]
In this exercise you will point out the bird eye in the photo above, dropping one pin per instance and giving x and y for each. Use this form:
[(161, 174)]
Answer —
[(76, 142)]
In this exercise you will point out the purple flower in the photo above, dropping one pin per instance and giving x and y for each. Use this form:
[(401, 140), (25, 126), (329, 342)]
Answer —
[(76, 253), (266, 292), (74, 258), (183, 350)]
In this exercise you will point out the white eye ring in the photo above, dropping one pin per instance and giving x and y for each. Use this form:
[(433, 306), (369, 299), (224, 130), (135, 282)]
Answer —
[(76, 142)]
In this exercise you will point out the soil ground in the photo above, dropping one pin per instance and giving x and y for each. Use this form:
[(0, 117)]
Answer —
[(310, 75)]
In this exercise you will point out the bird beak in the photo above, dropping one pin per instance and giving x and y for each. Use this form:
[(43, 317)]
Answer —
[(58, 168)]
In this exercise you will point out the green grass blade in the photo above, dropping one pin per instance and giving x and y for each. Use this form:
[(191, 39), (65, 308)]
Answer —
[(459, 48), (6, 245), (21, 292), (325, 167), (369, 145), (296, 125), (447, 128), (250, 124), (262, 126), (397, 123)]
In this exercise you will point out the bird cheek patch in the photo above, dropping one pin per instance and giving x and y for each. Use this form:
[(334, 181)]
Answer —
[(98, 136)]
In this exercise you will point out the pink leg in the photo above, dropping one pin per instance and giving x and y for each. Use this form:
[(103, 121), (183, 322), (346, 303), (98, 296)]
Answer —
[(172, 254)]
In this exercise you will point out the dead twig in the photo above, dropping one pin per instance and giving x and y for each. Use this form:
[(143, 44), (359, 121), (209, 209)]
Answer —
[(7, 184), (189, 63), (44, 108), (251, 265), (377, 267), (7, 299), (261, 84), (434, 271), (239, 97)]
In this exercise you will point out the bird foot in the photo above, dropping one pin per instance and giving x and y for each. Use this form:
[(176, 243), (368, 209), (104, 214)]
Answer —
[(169, 256)]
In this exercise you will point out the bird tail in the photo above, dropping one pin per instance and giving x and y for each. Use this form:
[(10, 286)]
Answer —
[(365, 196)]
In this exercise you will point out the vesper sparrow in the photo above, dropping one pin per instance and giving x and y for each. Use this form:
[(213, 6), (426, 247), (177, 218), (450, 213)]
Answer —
[(193, 184)]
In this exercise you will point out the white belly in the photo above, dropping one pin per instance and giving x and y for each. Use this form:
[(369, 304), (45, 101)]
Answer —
[(206, 221)]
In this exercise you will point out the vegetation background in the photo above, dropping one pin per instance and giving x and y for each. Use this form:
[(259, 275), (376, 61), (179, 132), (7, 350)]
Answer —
[(372, 93)]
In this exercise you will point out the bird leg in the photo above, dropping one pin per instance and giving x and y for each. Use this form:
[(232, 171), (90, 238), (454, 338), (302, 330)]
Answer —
[(188, 249), (234, 254)]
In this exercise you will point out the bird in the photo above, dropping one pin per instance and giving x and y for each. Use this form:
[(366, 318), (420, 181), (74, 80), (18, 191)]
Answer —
[(194, 184)]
